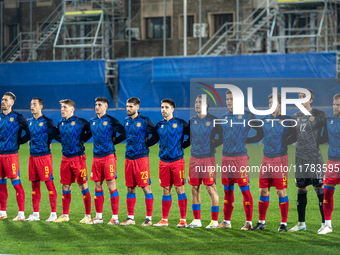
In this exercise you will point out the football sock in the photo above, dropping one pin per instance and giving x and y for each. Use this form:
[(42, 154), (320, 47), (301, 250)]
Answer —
[(263, 207), (66, 199), (36, 195), (20, 194), (130, 203), (87, 201), (284, 205), (301, 204), (328, 203), (52, 195), (149, 204), (114, 197), (214, 213), (182, 203), (247, 202), (3, 194), (228, 201), (320, 194), (99, 201), (196, 209), (166, 205)]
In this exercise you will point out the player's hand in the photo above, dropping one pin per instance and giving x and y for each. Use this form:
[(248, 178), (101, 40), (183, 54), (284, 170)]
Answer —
[(50, 145), (146, 139), (114, 139)]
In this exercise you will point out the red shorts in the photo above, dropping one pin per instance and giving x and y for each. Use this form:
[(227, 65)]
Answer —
[(72, 169), (202, 169), (172, 173), (104, 168), (137, 172), (40, 168), (9, 165), (273, 172), (332, 173), (234, 170)]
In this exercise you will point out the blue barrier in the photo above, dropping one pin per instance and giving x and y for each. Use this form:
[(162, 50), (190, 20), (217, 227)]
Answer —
[(81, 81), (155, 79)]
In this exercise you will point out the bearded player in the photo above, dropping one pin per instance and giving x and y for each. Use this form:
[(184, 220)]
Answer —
[(332, 173), (137, 170)]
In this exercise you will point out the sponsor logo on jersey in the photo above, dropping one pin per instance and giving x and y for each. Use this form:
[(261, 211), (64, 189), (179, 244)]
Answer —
[(105, 123), (41, 124), (73, 123), (207, 124), (11, 119), (312, 118), (239, 117), (174, 125), (138, 124)]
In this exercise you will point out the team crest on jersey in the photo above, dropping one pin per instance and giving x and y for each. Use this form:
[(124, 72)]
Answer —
[(174, 125), (73, 123), (162, 126), (312, 118), (239, 117), (41, 124), (195, 122), (105, 123), (11, 119), (138, 124), (207, 124), (331, 122), (93, 123), (280, 121), (127, 123)]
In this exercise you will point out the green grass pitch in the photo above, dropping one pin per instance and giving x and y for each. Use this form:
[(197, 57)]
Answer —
[(73, 237)]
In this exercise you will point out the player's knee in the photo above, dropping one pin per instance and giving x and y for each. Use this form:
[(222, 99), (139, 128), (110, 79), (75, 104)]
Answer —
[(302, 191), (281, 192), (319, 191), (264, 192)]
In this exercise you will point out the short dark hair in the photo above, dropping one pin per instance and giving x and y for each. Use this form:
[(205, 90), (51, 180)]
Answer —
[(169, 101), (41, 102), (336, 96), (312, 94), (278, 97), (11, 95), (69, 102), (133, 100), (102, 99), (229, 92), (208, 101)]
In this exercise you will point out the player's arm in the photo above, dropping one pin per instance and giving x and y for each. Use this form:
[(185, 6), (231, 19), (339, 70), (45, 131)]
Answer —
[(52, 131), (23, 126), (217, 136), (257, 126), (154, 138), (118, 128), (186, 131), (187, 142), (86, 131), (323, 137), (149, 130), (292, 135), (57, 134)]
